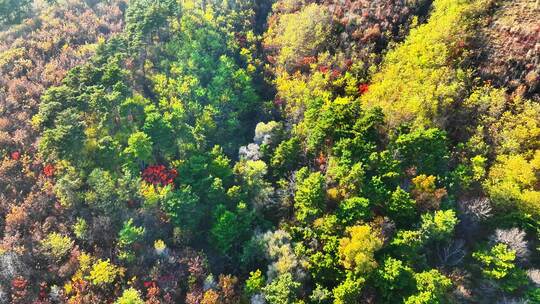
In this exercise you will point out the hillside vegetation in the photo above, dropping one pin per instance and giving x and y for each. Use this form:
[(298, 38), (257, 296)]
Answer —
[(269, 151)]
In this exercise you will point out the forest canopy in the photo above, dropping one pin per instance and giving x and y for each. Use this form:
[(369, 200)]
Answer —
[(269, 151)]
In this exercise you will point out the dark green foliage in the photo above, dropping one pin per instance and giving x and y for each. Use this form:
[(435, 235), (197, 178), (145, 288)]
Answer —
[(353, 210), (102, 191), (139, 148), (309, 197), (282, 290), (129, 234), (325, 267), (199, 152), (424, 150), (160, 131), (231, 229), (401, 208), (13, 11), (66, 138), (183, 207), (287, 155), (395, 280), (148, 18)]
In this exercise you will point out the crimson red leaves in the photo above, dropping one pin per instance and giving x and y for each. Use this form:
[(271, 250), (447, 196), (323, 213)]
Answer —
[(48, 170), (323, 69), (19, 283), (149, 284), (159, 175), (309, 60), (363, 88), (15, 155)]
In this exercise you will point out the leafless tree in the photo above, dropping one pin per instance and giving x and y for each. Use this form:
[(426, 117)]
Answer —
[(506, 300), (515, 239), (279, 248), (249, 152), (472, 213), (478, 209), (11, 266), (534, 276), (257, 299), (4, 299), (451, 254)]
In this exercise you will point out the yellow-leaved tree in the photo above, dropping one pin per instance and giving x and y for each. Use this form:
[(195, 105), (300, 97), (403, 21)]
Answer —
[(358, 249)]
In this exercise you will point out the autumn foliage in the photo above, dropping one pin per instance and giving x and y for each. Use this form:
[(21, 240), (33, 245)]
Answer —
[(159, 175), (269, 152)]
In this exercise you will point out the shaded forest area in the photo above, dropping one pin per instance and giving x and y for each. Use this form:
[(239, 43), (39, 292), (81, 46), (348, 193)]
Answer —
[(269, 151)]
